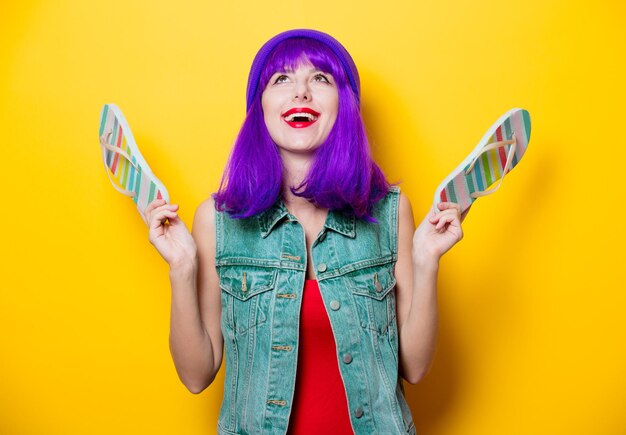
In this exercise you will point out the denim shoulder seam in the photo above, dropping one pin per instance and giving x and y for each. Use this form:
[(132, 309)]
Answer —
[(218, 233), (395, 210)]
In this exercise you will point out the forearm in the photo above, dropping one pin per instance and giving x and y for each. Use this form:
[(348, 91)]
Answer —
[(418, 333), (190, 344)]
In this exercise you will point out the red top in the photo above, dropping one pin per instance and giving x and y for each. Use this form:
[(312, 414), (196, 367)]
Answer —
[(319, 405)]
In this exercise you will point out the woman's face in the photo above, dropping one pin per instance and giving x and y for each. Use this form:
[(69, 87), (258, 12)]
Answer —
[(300, 108)]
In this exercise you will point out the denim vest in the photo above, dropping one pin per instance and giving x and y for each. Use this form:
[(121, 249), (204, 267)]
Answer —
[(262, 262)]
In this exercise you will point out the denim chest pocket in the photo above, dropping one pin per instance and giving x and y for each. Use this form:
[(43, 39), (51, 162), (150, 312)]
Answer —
[(375, 302), (246, 295)]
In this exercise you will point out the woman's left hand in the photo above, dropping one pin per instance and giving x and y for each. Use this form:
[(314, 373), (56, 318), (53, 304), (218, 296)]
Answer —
[(438, 232)]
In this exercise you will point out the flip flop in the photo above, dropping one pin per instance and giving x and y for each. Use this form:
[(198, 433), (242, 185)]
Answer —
[(127, 169), (499, 151)]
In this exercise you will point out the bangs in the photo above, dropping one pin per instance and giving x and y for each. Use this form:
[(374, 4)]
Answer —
[(295, 52)]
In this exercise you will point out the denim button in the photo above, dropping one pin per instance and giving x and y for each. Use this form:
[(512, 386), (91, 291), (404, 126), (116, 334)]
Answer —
[(321, 267), (358, 413), (334, 305), (379, 287), (347, 358)]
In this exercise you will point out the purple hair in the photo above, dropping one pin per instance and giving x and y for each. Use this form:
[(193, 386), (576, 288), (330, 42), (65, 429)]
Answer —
[(343, 175)]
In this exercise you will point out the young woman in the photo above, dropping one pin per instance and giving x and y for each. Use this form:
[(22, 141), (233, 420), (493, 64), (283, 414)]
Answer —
[(305, 269)]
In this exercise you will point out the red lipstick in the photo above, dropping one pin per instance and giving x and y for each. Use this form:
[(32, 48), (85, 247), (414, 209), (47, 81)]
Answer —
[(300, 117)]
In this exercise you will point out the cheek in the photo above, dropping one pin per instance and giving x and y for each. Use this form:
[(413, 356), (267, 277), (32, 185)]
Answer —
[(334, 104), (334, 112), (269, 120), (273, 128)]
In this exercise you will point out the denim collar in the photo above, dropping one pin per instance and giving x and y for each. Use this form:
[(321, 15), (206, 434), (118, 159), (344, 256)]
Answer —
[(336, 221)]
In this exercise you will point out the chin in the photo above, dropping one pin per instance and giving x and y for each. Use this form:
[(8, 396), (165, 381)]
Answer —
[(298, 143), (300, 150)]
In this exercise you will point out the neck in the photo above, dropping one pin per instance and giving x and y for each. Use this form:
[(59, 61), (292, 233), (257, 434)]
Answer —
[(295, 169)]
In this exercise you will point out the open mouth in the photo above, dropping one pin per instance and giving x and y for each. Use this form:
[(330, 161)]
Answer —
[(300, 117)]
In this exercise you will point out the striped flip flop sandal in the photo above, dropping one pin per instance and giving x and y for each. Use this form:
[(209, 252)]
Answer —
[(127, 169), (499, 151)]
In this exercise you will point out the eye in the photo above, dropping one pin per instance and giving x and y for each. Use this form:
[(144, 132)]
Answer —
[(282, 78), (321, 78)]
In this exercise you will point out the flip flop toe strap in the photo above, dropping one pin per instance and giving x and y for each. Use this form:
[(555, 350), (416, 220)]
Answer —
[(109, 147), (507, 166)]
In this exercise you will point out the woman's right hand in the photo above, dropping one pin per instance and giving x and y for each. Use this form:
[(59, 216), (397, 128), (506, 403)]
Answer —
[(169, 235)]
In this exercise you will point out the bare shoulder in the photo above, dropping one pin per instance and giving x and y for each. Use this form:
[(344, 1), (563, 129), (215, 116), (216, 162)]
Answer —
[(203, 229), (406, 227), (405, 210), (205, 213)]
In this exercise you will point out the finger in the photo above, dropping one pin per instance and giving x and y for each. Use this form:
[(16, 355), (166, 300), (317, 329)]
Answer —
[(158, 209), (149, 209), (449, 205), (451, 211), (154, 204), (170, 207), (160, 217), (454, 209), (442, 224), (164, 214), (435, 218), (446, 219)]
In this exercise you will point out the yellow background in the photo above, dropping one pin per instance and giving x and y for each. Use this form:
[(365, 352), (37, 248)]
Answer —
[(532, 304)]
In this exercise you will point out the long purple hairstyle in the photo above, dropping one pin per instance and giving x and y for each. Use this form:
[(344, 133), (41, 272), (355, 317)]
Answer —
[(343, 175)]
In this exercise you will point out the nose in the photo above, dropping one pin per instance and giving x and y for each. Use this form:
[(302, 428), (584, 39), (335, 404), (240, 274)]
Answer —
[(302, 91)]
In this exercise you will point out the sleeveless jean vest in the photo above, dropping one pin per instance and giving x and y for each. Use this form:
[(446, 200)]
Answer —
[(262, 262)]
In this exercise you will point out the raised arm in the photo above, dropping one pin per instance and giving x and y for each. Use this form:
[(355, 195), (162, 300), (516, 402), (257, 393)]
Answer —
[(416, 273), (196, 341)]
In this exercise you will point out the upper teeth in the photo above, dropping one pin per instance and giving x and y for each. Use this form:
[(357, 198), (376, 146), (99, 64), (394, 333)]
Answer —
[(301, 114)]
